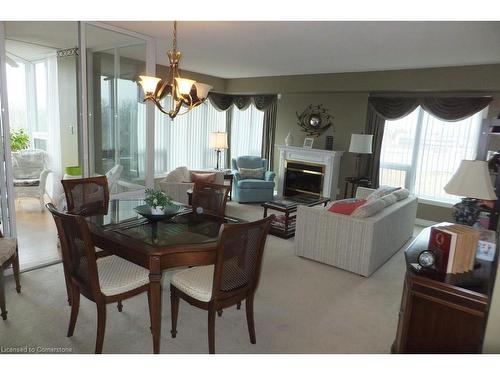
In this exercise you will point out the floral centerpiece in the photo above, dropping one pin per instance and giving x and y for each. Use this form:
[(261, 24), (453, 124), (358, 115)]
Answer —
[(157, 200)]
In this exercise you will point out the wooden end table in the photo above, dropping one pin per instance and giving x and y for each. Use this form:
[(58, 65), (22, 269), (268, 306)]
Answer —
[(443, 313), (285, 228), (355, 183)]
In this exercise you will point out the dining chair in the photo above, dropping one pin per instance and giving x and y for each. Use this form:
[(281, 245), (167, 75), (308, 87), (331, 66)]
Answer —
[(8, 256), (209, 199), (87, 196), (233, 278), (102, 280)]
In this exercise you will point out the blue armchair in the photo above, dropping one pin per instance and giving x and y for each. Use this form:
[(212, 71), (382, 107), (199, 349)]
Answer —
[(247, 190)]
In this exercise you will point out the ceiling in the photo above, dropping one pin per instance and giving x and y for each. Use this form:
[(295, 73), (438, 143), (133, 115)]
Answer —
[(252, 49), (237, 49)]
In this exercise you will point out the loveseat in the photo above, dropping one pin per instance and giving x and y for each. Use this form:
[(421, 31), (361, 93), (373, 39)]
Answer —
[(359, 245)]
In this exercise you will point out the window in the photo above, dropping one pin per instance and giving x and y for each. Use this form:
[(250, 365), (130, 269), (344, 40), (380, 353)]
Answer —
[(27, 87), (421, 152), (246, 131), (16, 88), (185, 140)]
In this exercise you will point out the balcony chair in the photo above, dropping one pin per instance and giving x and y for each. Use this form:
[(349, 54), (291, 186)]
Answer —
[(252, 183), (30, 172), (233, 278), (8, 256), (103, 280)]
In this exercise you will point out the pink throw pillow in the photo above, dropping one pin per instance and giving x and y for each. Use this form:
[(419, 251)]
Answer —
[(346, 206), (207, 178)]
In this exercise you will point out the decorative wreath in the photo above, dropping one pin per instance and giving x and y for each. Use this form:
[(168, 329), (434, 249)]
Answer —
[(314, 120)]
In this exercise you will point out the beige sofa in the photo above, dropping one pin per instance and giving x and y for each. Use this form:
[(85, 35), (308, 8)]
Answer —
[(178, 182), (359, 245)]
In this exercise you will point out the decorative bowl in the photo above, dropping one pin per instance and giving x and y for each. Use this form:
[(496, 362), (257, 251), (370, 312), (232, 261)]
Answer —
[(168, 212)]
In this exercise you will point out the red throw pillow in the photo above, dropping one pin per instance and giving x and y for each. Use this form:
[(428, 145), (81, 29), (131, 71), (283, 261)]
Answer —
[(208, 178), (346, 206)]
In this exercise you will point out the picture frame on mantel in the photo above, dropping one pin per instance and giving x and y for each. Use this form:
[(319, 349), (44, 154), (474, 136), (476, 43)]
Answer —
[(308, 143)]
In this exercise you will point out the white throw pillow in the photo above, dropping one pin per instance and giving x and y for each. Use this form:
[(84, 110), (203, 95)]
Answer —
[(369, 208), (380, 192), (256, 173), (179, 174), (401, 194), (389, 199)]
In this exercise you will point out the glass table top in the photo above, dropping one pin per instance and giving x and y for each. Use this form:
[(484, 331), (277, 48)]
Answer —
[(183, 229)]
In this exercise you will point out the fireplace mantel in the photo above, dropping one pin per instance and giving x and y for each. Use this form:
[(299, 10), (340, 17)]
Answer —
[(330, 159)]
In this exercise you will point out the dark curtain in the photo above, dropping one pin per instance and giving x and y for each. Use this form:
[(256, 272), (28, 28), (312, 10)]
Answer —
[(393, 108), (374, 125), (454, 109), (269, 132), (265, 103)]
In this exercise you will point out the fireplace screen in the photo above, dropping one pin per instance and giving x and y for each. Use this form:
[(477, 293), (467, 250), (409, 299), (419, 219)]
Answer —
[(303, 178)]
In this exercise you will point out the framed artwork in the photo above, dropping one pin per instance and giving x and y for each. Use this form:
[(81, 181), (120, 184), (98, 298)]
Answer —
[(308, 142)]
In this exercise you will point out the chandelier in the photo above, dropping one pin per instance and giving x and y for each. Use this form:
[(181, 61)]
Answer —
[(184, 92)]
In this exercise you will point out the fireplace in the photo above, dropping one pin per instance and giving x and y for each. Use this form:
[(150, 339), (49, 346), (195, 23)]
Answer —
[(303, 178), (329, 160)]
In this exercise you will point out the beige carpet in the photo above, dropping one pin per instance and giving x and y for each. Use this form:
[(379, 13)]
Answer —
[(301, 306)]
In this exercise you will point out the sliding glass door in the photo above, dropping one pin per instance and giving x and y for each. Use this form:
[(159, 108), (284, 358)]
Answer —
[(8, 215), (117, 119)]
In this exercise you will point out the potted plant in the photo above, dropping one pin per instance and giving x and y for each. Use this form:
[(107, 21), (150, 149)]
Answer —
[(19, 140), (157, 200)]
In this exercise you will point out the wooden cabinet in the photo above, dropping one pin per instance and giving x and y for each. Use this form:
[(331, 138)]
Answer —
[(443, 313)]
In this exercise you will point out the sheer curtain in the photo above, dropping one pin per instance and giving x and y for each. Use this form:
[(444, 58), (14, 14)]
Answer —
[(421, 152), (246, 131), (184, 141), (54, 129)]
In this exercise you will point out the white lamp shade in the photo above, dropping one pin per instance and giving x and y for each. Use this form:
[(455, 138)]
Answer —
[(184, 85), (471, 180), (361, 143), (202, 90), (149, 84), (218, 140)]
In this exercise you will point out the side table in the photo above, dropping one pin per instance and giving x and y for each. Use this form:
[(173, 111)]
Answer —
[(229, 177), (355, 183), (284, 225), (443, 313)]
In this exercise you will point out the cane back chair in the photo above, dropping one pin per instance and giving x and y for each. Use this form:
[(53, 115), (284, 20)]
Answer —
[(8, 256), (233, 278), (209, 199), (102, 280)]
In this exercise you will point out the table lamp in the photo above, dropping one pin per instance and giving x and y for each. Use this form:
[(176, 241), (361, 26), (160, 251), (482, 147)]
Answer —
[(360, 144), (471, 181), (218, 141)]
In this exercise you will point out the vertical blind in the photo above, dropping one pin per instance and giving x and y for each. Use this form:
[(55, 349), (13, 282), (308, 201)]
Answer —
[(246, 131), (422, 152), (185, 140)]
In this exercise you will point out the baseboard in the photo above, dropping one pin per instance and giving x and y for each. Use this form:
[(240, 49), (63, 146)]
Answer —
[(424, 223), (26, 267)]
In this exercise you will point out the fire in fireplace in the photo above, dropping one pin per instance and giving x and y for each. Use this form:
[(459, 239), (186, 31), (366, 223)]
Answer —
[(303, 178)]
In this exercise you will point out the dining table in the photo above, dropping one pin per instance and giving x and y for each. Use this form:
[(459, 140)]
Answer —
[(186, 239)]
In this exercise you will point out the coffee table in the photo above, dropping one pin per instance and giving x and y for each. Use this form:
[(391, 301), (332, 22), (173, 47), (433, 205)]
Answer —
[(284, 225)]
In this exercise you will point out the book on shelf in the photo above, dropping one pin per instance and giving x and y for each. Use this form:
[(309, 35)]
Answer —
[(455, 247)]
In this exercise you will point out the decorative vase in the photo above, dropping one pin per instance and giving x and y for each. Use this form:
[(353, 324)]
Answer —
[(289, 139), (157, 210)]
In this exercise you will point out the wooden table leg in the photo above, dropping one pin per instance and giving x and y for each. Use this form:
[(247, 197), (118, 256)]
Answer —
[(155, 292), (265, 212)]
